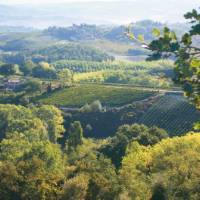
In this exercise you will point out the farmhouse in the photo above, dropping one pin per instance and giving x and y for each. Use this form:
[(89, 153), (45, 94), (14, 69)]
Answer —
[(10, 84)]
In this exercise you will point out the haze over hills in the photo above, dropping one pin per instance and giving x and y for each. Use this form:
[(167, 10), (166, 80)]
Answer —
[(65, 14)]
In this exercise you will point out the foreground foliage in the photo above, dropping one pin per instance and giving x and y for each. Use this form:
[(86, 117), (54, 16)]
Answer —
[(169, 169), (34, 166)]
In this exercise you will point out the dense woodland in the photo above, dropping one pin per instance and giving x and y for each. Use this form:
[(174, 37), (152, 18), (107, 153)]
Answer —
[(82, 119)]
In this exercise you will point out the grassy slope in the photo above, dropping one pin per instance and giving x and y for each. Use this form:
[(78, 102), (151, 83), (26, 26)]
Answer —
[(82, 94)]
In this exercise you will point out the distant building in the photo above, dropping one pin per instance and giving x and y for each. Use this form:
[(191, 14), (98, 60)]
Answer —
[(12, 84)]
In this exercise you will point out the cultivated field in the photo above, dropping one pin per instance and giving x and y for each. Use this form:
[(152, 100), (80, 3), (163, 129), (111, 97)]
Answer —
[(79, 95)]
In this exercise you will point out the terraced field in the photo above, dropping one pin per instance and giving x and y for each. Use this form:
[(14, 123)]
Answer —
[(79, 95), (172, 113)]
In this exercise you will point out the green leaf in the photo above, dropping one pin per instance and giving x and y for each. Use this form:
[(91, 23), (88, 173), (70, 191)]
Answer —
[(166, 32), (186, 39), (195, 64), (141, 38), (173, 36), (131, 36), (197, 126), (156, 32)]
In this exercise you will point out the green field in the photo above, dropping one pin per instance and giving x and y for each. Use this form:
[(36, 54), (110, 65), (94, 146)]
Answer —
[(79, 95), (173, 113)]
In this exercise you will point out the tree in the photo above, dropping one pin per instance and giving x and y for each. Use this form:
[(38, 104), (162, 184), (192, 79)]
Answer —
[(8, 113), (35, 182), (9, 69), (65, 76), (53, 119), (159, 192), (95, 106), (44, 122), (36, 168), (126, 134), (31, 86), (20, 120), (76, 188), (36, 172), (33, 129), (27, 67), (101, 176), (14, 149), (51, 154), (9, 181), (171, 167), (75, 137), (44, 70)]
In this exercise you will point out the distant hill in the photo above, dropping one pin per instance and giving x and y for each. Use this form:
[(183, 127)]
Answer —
[(114, 33), (16, 29)]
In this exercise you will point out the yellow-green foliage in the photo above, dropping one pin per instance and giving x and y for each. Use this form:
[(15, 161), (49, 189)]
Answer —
[(89, 145), (89, 77), (151, 74), (76, 187), (173, 164)]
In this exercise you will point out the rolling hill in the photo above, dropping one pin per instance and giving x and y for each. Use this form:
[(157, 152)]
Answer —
[(173, 113), (125, 105)]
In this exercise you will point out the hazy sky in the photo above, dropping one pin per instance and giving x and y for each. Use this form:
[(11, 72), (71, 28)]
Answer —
[(124, 12), (46, 1), (182, 2)]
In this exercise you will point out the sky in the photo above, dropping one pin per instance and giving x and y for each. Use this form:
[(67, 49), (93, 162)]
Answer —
[(182, 2), (43, 13), (46, 1)]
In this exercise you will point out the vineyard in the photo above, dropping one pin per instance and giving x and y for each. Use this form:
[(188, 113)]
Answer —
[(155, 111), (172, 113), (79, 95)]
